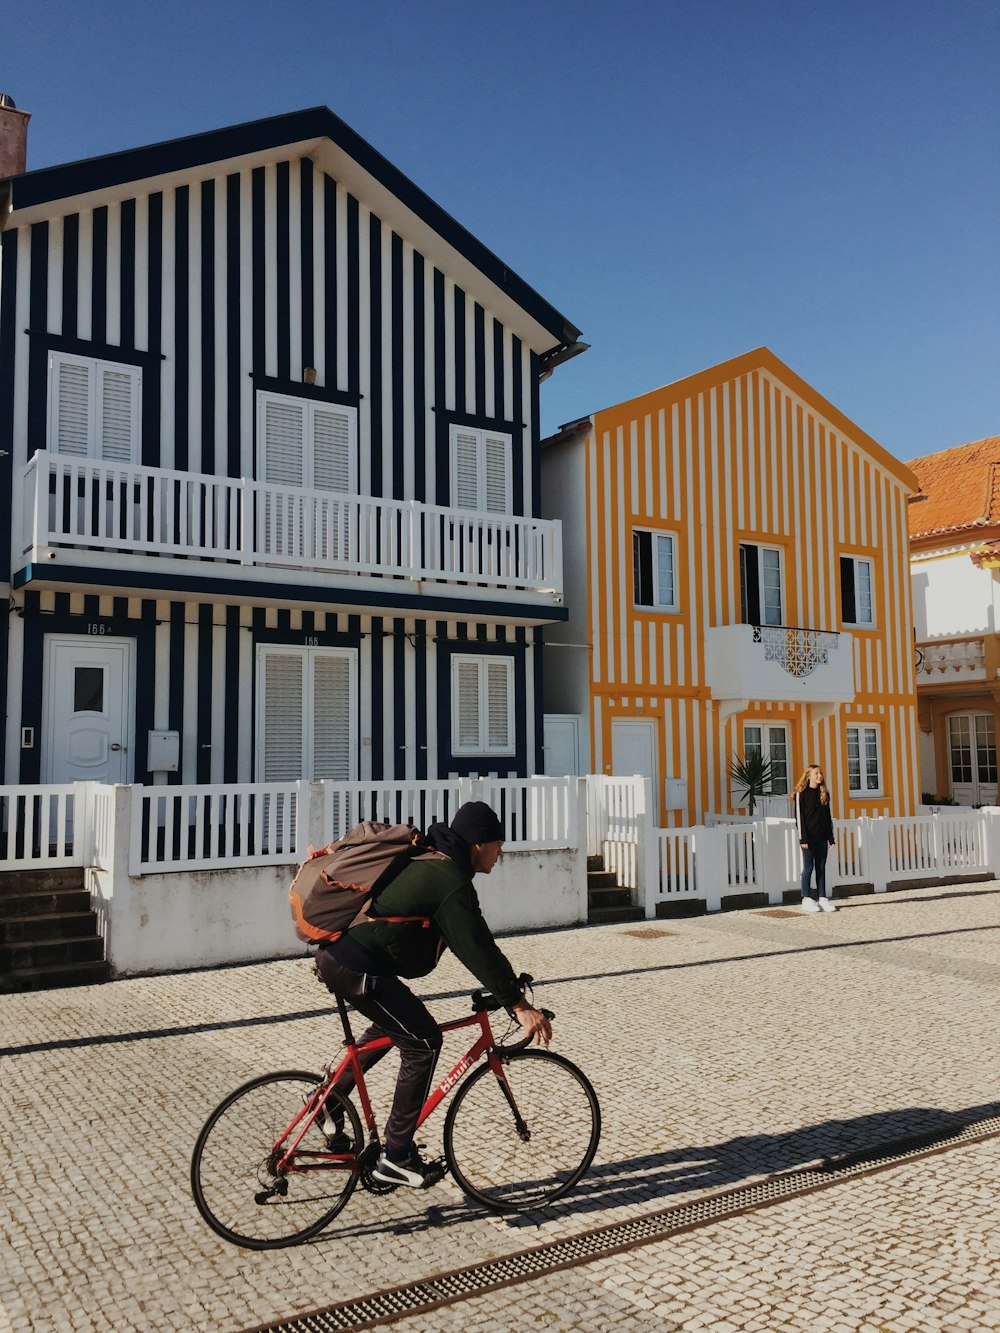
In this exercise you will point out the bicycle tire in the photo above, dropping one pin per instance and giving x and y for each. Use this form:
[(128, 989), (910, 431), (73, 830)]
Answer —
[(231, 1165), (488, 1156)]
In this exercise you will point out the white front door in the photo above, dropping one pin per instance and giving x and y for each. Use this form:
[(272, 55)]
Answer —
[(633, 750), (87, 709), (562, 745)]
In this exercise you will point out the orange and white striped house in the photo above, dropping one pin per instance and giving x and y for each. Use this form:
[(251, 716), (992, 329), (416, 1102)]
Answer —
[(737, 576)]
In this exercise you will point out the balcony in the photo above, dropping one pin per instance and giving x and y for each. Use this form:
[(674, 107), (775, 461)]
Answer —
[(782, 664), (953, 661), (93, 513)]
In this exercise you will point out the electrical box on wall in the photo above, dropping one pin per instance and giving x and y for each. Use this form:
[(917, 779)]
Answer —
[(164, 751), (675, 793)]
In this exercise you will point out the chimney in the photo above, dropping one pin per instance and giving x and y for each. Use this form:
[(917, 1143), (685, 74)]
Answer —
[(13, 137)]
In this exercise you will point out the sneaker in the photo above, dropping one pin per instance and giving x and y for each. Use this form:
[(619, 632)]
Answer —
[(414, 1172), (827, 905), (331, 1126), (339, 1142), (810, 905)]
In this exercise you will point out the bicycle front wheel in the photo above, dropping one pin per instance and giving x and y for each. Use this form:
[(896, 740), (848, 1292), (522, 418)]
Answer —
[(240, 1189), (519, 1152)]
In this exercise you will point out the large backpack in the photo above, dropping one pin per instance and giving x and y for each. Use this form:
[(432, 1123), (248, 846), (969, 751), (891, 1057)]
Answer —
[(335, 885)]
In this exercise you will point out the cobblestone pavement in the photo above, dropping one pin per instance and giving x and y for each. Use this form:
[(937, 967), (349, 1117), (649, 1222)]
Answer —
[(723, 1048)]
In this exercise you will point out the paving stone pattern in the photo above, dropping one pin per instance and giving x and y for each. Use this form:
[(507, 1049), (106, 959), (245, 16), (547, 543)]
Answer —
[(735, 1046)]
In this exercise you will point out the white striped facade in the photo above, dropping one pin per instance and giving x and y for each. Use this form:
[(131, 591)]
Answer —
[(294, 272)]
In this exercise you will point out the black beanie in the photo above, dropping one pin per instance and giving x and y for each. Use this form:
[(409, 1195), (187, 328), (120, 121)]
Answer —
[(476, 822)]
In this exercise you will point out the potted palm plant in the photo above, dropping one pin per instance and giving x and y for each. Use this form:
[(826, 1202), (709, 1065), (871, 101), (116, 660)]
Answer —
[(751, 774)]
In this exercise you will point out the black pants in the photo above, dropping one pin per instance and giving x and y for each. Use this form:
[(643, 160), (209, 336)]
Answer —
[(394, 1012), (814, 861)]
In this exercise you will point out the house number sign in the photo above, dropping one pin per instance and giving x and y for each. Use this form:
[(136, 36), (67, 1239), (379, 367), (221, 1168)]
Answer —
[(98, 627)]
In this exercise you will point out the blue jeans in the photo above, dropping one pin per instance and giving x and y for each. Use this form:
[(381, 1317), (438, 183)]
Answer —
[(814, 859)]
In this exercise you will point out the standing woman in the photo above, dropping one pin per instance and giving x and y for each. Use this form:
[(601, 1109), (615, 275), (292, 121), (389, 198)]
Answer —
[(815, 825)]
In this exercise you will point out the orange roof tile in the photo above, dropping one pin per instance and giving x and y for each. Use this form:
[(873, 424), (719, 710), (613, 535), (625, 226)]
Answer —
[(962, 486)]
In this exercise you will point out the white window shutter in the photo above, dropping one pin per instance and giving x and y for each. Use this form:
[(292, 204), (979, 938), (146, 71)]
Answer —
[(466, 685), (332, 717), (283, 717), (465, 470), (72, 406), (282, 430), (498, 700), (118, 409), (497, 470), (333, 450)]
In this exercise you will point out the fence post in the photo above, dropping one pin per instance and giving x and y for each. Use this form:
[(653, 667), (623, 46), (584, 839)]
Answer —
[(310, 801), (647, 870), (84, 833), (991, 839), (874, 841), (774, 876), (711, 865)]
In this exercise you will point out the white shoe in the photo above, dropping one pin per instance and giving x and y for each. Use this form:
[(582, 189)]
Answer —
[(810, 905), (827, 905)]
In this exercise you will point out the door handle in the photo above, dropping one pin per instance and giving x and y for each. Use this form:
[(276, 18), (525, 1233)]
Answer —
[(116, 746)]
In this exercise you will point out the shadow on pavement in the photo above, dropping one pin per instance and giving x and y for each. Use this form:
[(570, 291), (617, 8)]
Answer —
[(654, 1178)]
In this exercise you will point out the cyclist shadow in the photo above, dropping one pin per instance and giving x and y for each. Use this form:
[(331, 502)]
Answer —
[(654, 1177), (691, 1171)]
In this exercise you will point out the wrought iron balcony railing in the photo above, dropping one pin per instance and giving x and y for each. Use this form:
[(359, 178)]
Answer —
[(798, 651)]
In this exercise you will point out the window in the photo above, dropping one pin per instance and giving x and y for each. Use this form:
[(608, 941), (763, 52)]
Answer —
[(306, 444), (772, 742), (307, 706), (94, 408), (864, 770), (856, 591), (760, 585), (653, 570), (482, 705), (481, 470), (973, 748)]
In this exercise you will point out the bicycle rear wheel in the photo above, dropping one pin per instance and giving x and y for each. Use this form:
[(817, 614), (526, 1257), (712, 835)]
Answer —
[(512, 1167), (237, 1185)]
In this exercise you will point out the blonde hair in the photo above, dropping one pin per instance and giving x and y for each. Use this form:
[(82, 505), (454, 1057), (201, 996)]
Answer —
[(803, 782)]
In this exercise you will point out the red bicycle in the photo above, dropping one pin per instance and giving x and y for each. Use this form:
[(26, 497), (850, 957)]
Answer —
[(279, 1158)]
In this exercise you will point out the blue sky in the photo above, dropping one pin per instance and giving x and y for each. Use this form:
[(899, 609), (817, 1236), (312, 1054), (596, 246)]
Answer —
[(683, 179)]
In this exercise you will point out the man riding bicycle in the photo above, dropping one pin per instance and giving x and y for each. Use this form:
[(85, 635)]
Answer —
[(365, 964)]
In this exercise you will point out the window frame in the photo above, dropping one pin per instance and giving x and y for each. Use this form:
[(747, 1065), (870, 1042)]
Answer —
[(855, 561), (655, 535), (769, 727), (483, 435), (96, 366), (864, 792), (483, 747), (743, 583), (309, 405)]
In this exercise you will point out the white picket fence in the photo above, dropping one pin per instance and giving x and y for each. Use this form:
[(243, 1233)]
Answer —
[(211, 827), (189, 828), (735, 856)]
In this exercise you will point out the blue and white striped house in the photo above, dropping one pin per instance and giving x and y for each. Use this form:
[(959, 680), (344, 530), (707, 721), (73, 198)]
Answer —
[(269, 445)]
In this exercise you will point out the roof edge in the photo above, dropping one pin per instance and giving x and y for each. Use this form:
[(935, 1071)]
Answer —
[(92, 175), (762, 358)]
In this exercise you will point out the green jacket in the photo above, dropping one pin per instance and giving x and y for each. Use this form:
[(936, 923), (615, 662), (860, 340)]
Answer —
[(436, 888)]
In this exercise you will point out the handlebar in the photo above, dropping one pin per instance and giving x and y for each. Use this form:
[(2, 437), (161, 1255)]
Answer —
[(485, 1001)]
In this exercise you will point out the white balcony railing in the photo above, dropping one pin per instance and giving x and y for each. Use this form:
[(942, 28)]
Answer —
[(951, 660), (73, 503)]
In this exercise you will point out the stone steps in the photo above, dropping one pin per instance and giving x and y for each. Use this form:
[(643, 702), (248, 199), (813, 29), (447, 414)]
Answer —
[(49, 935), (607, 902)]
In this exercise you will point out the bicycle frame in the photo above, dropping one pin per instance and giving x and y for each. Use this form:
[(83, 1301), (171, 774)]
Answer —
[(484, 1044)]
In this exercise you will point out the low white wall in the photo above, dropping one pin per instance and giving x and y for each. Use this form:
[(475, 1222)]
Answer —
[(162, 923)]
